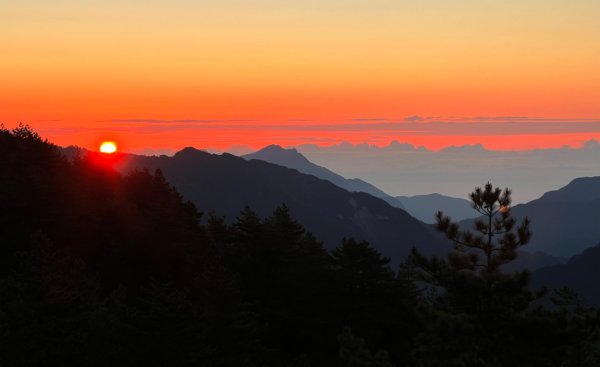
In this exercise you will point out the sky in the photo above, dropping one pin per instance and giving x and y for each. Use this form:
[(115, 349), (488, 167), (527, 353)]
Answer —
[(162, 75)]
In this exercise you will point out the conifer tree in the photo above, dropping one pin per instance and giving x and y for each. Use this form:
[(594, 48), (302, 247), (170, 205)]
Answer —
[(496, 238), (473, 306)]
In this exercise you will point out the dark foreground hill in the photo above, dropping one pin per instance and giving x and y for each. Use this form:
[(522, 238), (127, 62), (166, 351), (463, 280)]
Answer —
[(581, 273), (100, 269), (104, 269), (226, 184)]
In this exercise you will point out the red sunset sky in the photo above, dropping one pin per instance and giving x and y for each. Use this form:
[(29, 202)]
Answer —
[(158, 75)]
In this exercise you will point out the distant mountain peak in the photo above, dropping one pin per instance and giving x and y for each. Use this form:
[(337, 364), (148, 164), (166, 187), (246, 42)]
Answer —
[(275, 148), (277, 154), (189, 152), (291, 158)]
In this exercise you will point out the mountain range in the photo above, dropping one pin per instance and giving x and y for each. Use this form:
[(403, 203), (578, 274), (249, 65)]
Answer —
[(290, 158), (564, 222), (225, 184), (421, 207)]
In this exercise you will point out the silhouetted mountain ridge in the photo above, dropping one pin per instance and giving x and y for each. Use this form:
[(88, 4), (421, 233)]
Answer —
[(226, 183), (578, 190), (291, 158)]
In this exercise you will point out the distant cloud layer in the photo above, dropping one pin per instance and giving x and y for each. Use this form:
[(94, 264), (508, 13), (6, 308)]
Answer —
[(408, 126), (433, 132), (182, 121), (414, 118), (371, 119), (403, 169)]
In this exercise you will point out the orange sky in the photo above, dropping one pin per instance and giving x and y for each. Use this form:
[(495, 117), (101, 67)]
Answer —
[(80, 72)]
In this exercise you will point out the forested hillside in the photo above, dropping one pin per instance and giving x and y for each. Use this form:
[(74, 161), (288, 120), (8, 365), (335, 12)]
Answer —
[(104, 269), (226, 183)]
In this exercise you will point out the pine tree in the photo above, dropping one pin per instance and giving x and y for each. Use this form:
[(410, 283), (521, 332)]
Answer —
[(474, 310), (496, 238)]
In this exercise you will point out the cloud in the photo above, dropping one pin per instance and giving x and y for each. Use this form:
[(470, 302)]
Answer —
[(467, 148), (155, 121), (415, 118), (509, 118), (402, 169), (379, 128), (371, 119), (503, 118), (591, 144)]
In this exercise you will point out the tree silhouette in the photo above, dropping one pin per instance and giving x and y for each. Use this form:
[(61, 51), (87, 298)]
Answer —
[(495, 236), (474, 307), (102, 268)]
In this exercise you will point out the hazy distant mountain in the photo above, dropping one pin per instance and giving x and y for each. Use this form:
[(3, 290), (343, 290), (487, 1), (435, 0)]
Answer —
[(292, 159), (424, 207), (226, 183), (566, 221), (580, 273)]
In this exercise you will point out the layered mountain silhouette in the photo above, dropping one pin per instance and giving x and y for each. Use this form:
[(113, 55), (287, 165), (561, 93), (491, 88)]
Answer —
[(81, 240), (226, 183), (581, 273), (424, 207), (563, 222), (291, 158)]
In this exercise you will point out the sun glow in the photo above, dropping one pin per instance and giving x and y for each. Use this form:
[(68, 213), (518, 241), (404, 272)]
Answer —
[(108, 147)]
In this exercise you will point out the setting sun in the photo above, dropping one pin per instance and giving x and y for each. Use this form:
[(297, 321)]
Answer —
[(108, 147)]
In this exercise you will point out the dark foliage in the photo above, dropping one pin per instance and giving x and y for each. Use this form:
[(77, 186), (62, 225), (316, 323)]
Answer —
[(226, 184), (476, 315), (99, 268)]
